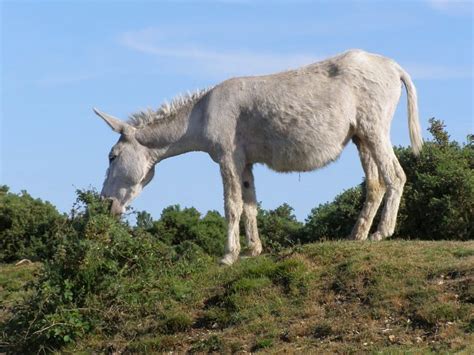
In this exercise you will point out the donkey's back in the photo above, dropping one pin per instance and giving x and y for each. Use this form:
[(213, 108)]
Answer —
[(301, 119)]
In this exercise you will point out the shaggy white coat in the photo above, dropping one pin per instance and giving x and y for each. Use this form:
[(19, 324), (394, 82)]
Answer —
[(297, 120)]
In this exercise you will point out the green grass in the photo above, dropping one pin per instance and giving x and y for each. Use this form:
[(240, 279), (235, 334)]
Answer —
[(390, 296)]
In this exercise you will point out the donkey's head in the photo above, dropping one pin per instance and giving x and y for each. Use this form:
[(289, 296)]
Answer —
[(131, 166)]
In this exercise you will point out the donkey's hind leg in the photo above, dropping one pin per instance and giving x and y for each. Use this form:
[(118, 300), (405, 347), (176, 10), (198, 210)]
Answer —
[(394, 178), (250, 212), (375, 189)]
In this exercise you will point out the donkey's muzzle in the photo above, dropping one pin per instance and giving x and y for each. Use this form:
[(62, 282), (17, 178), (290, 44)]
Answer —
[(114, 206)]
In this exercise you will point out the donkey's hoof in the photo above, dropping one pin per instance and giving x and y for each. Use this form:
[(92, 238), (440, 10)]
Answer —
[(376, 236), (229, 259), (254, 250), (357, 237)]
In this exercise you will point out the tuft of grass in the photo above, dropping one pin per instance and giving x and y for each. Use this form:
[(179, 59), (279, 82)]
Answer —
[(247, 285), (176, 322), (210, 344), (462, 252), (322, 330), (263, 343)]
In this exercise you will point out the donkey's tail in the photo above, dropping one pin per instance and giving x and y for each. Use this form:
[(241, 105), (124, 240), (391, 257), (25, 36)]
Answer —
[(413, 120)]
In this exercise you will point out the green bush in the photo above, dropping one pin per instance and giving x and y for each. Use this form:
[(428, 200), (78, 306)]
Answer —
[(178, 225), (27, 227), (334, 220), (437, 203), (100, 264), (278, 228), (438, 200)]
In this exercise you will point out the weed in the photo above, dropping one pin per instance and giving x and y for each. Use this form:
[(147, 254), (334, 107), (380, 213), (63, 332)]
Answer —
[(211, 344), (263, 343), (322, 330), (176, 322)]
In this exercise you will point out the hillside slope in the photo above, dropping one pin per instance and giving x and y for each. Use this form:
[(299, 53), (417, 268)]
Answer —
[(330, 296)]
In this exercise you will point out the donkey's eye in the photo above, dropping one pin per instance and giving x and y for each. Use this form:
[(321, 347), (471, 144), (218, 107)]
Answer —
[(111, 158)]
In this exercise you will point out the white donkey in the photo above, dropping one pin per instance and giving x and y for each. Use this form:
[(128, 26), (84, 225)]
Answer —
[(297, 120)]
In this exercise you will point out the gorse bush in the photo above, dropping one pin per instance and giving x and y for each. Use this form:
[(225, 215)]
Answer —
[(438, 200), (27, 227), (178, 225), (278, 228), (96, 264), (334, 220)]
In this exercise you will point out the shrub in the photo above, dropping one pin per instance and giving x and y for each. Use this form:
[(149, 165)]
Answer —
[(99, 268), (178, 225), (437, 203), (438, 200), (278, 228), (334, 220), (27, 227)]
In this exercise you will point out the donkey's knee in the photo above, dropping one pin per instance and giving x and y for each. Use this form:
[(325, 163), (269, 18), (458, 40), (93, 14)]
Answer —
[(401, 178), (395, 178)]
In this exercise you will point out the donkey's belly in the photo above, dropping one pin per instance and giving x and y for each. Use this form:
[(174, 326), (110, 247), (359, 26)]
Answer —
[(286, 155), (302, 158)]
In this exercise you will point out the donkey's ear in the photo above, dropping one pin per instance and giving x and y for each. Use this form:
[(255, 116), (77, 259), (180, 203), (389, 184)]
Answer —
[(114, 123)]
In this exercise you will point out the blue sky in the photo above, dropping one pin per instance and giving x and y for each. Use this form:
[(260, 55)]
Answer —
[(61, 58)]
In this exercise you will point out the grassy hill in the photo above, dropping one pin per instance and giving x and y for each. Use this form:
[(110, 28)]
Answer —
[(330, 296)]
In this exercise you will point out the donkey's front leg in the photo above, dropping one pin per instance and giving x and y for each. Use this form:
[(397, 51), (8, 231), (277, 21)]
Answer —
[(231, 177), (250, 212)]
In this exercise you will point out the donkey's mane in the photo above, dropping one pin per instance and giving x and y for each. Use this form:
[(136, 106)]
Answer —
[(166, 110)]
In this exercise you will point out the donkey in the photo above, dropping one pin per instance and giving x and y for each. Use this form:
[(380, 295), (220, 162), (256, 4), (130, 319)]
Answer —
[(297, 120)]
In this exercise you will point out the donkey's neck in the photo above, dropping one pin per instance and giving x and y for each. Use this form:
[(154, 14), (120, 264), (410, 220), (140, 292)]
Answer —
[(174, 135)]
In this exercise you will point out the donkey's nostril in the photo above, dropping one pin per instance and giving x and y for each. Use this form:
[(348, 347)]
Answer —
[(109, 201), (115, 207)]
